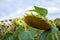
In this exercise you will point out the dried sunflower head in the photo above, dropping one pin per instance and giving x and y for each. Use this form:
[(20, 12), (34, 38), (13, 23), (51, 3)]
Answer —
[(57, 22), (38, 21)]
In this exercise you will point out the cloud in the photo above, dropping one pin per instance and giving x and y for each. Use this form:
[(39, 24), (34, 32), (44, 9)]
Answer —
[(52, 17), (53, 10), (12, 15), (16, 8), (18, 13), (53, 13)]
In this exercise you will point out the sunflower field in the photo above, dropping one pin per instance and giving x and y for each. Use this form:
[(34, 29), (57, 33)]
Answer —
[(33, 26)]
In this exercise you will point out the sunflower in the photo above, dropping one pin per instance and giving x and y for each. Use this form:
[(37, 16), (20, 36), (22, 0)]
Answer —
[(38, 21)]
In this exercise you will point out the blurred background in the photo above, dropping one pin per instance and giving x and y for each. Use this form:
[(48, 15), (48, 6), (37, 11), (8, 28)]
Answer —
[(17, 8)]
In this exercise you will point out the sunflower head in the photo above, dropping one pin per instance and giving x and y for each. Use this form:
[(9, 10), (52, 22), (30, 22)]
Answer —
[(38, 21), (57, 22)]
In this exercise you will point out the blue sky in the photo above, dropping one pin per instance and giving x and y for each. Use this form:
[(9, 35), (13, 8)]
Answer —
[(16, 8)]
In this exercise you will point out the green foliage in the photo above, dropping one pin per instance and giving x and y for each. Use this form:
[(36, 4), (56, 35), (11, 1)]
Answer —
[(20, 34), (27, 35), (51, 34), (58, 35), (40, 11), (8, 36)]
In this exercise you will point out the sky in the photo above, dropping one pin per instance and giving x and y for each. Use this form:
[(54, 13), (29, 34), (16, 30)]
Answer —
[(17, 8)]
